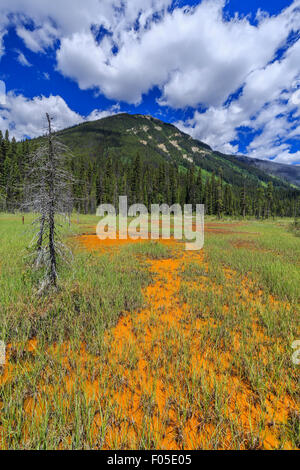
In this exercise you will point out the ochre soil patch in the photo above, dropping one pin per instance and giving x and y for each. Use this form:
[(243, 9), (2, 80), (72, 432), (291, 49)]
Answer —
[(221, 231), (249, 244), (158, 380), (224, 228), (92, 242), (152, 390)]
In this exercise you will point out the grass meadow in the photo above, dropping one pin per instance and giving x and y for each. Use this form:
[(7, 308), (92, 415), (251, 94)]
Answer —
[(148, 346)]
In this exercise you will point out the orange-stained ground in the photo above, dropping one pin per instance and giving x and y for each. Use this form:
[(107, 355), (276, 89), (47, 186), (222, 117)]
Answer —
[(150, 354), (145, 334)]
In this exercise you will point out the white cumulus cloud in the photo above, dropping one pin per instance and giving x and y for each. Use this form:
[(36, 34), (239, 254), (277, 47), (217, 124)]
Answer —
[(22, 60), (25, 117), (268, 106), (196, 56)]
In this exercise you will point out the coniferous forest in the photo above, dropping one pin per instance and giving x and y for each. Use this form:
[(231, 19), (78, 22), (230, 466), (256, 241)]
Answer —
[(105, 177), (130, 324)]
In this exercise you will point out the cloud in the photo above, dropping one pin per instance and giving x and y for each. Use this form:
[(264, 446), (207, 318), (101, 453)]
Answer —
[(22, 60), (196, 56), (126, 74), (1, 44), (25, 117), (39, 23), (39, 39), (268, 107), (2, 93), (100, 114)]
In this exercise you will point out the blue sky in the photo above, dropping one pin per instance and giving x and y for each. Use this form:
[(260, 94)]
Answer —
[(226, 72)]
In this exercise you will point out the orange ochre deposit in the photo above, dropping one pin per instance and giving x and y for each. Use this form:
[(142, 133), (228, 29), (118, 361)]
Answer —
[(158, 378)]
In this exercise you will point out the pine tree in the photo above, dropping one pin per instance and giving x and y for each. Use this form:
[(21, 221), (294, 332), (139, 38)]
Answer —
[(108, 182), (199, 188), (213, 195), (136, 183), (191, 187), (269, 198), (228, 200), (219, 201), (208, 198), (260, 202), (243, 201), (173, 185)]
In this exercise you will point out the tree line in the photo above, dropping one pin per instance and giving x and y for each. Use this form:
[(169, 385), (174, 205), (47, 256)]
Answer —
[(97, 181)]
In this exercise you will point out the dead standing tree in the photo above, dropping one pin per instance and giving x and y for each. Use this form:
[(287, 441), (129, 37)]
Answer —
[(49, 195)]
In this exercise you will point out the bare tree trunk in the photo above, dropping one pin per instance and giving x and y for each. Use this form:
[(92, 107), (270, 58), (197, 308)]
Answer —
[(40, 235), (49, 195), (53, 274), (39, 244)]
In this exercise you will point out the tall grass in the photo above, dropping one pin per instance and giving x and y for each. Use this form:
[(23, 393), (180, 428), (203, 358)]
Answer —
[(203, 361)]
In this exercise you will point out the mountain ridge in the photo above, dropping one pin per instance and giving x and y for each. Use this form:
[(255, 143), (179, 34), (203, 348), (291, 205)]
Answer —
[(151, 162), (159, 140)]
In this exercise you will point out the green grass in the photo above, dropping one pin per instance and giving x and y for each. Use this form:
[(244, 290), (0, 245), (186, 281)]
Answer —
[(273, 263), (93, 291), (250, 318), (150, 250)]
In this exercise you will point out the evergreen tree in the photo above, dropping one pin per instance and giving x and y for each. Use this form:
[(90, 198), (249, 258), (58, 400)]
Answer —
[(243, 201), (260, 202), (191, 187), (228, 200), (137, 181), (269, 199), (199, 188), (219, 201)]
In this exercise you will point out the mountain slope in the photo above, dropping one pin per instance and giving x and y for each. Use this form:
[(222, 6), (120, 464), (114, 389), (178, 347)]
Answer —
[(122, 136), (289, 173)]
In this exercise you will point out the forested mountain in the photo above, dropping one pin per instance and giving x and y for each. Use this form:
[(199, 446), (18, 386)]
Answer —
[(289, 173), (151, 162)]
